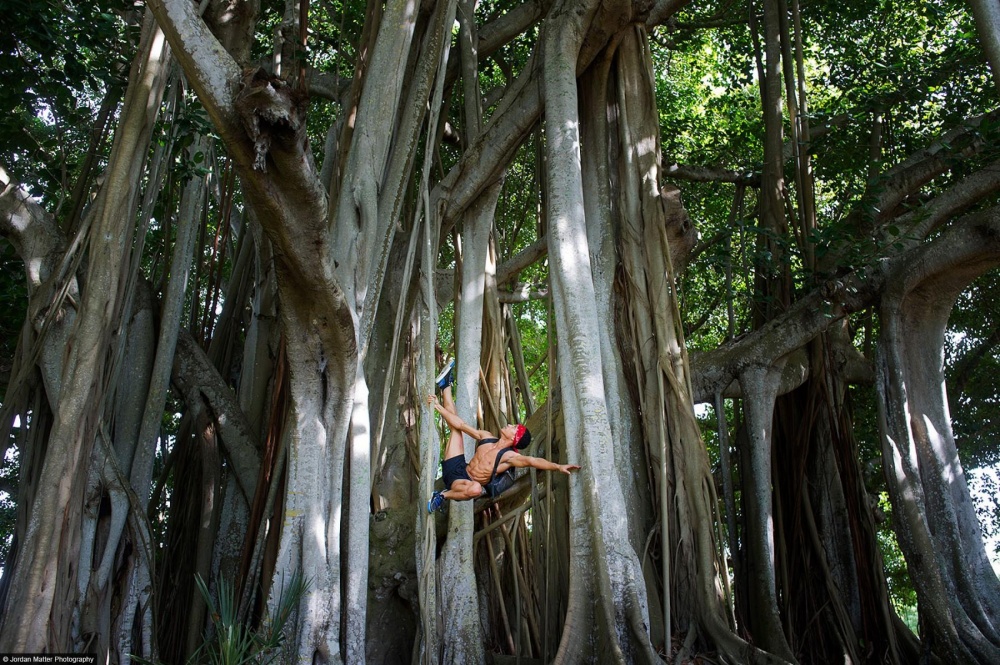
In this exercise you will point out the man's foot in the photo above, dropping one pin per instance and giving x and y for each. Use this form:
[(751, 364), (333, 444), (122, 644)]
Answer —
[(437, 500), (447, 375)]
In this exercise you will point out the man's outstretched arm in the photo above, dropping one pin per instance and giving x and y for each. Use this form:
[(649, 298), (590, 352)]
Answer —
[(540, 463)]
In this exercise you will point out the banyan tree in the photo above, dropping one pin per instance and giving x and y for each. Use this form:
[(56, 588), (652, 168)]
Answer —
[(708, 251)]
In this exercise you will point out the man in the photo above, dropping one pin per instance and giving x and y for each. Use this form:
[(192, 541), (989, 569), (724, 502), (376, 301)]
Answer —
[(485, 473)]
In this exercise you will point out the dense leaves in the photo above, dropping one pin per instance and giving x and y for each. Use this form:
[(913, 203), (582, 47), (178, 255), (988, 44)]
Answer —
[(906, 72), (59, 60)]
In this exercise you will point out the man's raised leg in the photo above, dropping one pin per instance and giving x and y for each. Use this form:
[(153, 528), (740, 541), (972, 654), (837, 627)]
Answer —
[(456, 444)]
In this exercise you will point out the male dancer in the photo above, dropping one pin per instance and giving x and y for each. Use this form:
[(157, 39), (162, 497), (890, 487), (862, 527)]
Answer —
[(493, 456)]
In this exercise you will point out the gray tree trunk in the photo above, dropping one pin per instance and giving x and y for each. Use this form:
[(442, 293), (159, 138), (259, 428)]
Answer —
[(987, 13), (44, 586), (462, 639), (761, 384), (654, 227), (957, 591), (602, 556)]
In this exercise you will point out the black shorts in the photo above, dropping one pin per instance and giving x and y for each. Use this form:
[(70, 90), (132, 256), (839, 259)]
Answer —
[(454, 469)]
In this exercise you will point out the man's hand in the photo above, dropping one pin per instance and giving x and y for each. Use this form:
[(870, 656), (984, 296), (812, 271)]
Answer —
[(432, 400), (568, 468)]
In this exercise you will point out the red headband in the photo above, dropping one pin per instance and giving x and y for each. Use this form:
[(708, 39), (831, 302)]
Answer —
[(521, 429)]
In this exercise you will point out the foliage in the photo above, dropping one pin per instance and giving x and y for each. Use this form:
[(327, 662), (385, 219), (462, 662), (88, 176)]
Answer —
[(233, 642), (921, 76), (973, 361), (59, 60), (901, 591), (13, 298)]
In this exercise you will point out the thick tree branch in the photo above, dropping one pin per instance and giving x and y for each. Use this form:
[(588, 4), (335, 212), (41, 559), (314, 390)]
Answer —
[(922, 221), (905, 178), (326, 85), (261, 121), (971, 240), (500, 31), (506, 271), (696, 173), (522, 293), (487, 156), (213, 73), (510, 124), (233, 22), (194, 375), (30, 229), (965, 248), (713, 371), (692, 173), (515, 264), (663, 10)]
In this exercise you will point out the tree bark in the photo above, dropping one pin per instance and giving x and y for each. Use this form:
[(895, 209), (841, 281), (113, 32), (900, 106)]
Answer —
[(599, 534), (958, 594), (44, 585), (987, 15), (765, 622), (462, 639)]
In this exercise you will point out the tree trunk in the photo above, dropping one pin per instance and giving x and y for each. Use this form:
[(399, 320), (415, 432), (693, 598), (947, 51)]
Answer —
[(987, 15), (44, 586), (599, 533), (654, 225), (462, 638), (765, 623), (773, 289), (958, 594), (829, 555)]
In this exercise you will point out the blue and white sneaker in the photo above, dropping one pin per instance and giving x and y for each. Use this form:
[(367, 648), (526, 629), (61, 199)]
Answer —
[(447, 375), (437, 500)]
